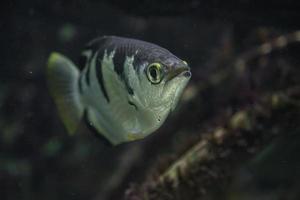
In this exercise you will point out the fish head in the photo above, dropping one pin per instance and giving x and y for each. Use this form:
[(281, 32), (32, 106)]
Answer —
[(163, 78)]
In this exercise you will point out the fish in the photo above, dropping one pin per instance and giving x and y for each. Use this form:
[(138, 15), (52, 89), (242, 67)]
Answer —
[(123, 88)]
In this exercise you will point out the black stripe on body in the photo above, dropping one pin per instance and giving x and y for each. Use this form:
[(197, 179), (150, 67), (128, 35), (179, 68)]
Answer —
[(98, 67), (99, 76), (93, 46), (97, 46), (121, 51), (119, 63)]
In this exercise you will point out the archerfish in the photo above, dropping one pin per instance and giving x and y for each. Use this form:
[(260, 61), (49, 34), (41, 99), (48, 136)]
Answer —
[(123, 88)]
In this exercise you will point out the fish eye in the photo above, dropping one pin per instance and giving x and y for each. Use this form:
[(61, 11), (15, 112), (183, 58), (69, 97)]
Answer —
[(154, 73)]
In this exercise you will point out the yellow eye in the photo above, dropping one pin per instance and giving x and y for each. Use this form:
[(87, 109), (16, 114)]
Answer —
[(154, 73)]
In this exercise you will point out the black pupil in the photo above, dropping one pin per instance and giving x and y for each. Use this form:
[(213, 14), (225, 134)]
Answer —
[(153, 73)]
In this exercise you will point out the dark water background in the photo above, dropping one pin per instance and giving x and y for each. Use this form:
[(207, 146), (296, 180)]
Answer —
[(38, 160)]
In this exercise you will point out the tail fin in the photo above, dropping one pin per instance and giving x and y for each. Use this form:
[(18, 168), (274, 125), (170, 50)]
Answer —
[(63, 77)]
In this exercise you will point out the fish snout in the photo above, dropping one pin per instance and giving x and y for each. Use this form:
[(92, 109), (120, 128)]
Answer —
[(179, 71)]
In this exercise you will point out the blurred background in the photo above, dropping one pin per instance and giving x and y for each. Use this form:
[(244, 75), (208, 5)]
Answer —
[(243, 101)]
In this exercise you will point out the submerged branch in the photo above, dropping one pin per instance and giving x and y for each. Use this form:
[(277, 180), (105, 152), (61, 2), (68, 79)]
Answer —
[(209, 163)]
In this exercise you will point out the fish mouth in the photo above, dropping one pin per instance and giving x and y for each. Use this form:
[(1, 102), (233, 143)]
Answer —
[(179, 71)]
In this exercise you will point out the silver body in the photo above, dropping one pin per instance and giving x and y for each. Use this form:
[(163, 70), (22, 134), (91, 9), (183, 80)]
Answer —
[(117, 114)]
